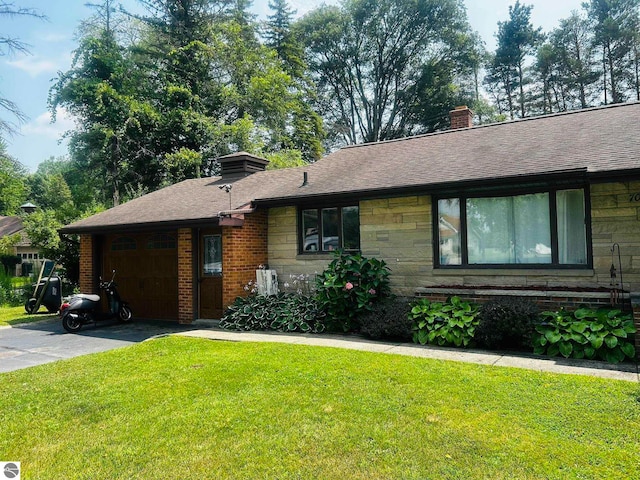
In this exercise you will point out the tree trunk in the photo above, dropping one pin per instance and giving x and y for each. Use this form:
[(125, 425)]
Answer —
[(521, 81)]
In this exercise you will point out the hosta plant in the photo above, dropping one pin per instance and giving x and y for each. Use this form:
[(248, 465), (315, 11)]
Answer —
[(451, 323), (284, 312), (604, 334), (349, 287)]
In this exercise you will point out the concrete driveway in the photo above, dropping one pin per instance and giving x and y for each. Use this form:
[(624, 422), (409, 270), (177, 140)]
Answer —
[(30, 344)]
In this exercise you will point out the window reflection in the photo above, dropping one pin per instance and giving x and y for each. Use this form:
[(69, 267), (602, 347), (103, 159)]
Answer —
[(212, 258)]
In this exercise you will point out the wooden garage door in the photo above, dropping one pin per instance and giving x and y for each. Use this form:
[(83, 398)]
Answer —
[(146, 272)]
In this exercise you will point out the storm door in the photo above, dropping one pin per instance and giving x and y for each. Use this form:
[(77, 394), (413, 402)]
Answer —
[(210, 274)]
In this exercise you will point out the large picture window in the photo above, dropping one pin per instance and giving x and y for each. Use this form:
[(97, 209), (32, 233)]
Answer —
[(542, 229), (328, 229)]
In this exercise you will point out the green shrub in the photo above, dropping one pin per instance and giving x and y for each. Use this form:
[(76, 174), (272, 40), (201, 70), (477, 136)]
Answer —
[(9, 294), (388, 320), (349, 287), (9, 262), (586, 333), (285, 312), (507, 323), (452, 323)]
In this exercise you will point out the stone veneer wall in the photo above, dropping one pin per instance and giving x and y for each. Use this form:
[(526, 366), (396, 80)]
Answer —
[(283, 247), (399, 231)]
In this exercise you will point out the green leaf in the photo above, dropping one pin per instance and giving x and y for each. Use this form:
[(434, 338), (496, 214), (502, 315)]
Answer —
[(614, 356), (553, 336), (579, 339), (553, 350), (579, 327), (597, 341), (578, 352), (584, 313), (565, 349), (628, 349), (611, 341), (619, 332)]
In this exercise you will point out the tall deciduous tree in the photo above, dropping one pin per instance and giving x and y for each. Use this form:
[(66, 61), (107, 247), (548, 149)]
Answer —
[(111, 129), (13, 189), (367, 55)]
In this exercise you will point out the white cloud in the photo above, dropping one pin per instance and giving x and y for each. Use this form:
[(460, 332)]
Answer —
[(43, 127), (34, 66)]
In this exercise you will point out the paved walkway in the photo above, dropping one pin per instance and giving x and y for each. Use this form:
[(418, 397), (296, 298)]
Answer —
[(624, 371), (41, 342)]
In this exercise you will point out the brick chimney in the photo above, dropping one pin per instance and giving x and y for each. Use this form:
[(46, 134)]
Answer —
[(241, 164), (461, 117)]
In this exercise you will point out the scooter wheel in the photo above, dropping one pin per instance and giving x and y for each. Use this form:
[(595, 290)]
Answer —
[(125, 314), (30, 306), (71, 323)]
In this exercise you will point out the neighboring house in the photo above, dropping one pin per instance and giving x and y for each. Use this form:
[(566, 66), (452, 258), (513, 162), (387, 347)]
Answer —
[(530, 207), (30, 256)]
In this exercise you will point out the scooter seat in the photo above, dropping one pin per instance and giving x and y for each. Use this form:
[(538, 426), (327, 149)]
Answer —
[(88, 296)]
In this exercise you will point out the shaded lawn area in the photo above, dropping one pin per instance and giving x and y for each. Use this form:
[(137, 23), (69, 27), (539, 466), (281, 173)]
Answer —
[(17, 315), (191, 408)]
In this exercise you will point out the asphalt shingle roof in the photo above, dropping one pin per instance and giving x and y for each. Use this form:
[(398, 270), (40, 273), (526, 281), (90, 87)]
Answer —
[(10, 225), (594, 141)]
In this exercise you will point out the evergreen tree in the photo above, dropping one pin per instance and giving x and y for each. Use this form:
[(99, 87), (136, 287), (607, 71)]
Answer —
[(517, 39), (572, 42), (280, 36), (616, 31)]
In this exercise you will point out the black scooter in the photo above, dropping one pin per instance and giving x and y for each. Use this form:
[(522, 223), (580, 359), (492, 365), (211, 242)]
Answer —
[(83, 308)]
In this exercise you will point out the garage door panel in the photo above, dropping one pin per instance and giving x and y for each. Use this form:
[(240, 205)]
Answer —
[(147, 272)]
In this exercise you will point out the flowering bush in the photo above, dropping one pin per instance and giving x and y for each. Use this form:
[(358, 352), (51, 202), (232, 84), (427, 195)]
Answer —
[(350, 286)]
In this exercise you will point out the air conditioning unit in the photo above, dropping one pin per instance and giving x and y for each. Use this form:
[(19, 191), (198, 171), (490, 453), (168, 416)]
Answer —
[(267, 281)]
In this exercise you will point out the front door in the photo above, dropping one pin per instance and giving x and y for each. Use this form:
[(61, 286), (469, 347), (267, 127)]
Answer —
[(210, 273)]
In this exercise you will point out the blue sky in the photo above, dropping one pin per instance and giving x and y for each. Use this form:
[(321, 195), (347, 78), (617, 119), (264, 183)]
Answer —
[(26, 79)]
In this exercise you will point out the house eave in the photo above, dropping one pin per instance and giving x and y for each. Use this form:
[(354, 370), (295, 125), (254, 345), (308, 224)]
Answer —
[(560, 177), (140, 227)]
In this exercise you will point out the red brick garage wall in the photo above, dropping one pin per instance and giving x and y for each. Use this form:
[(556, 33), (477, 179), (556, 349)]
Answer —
[(185, 275), (87, 274), (243, 250)]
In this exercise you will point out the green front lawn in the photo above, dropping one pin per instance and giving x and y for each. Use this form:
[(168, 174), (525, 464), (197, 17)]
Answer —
[(191, 408), (17, 315)]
